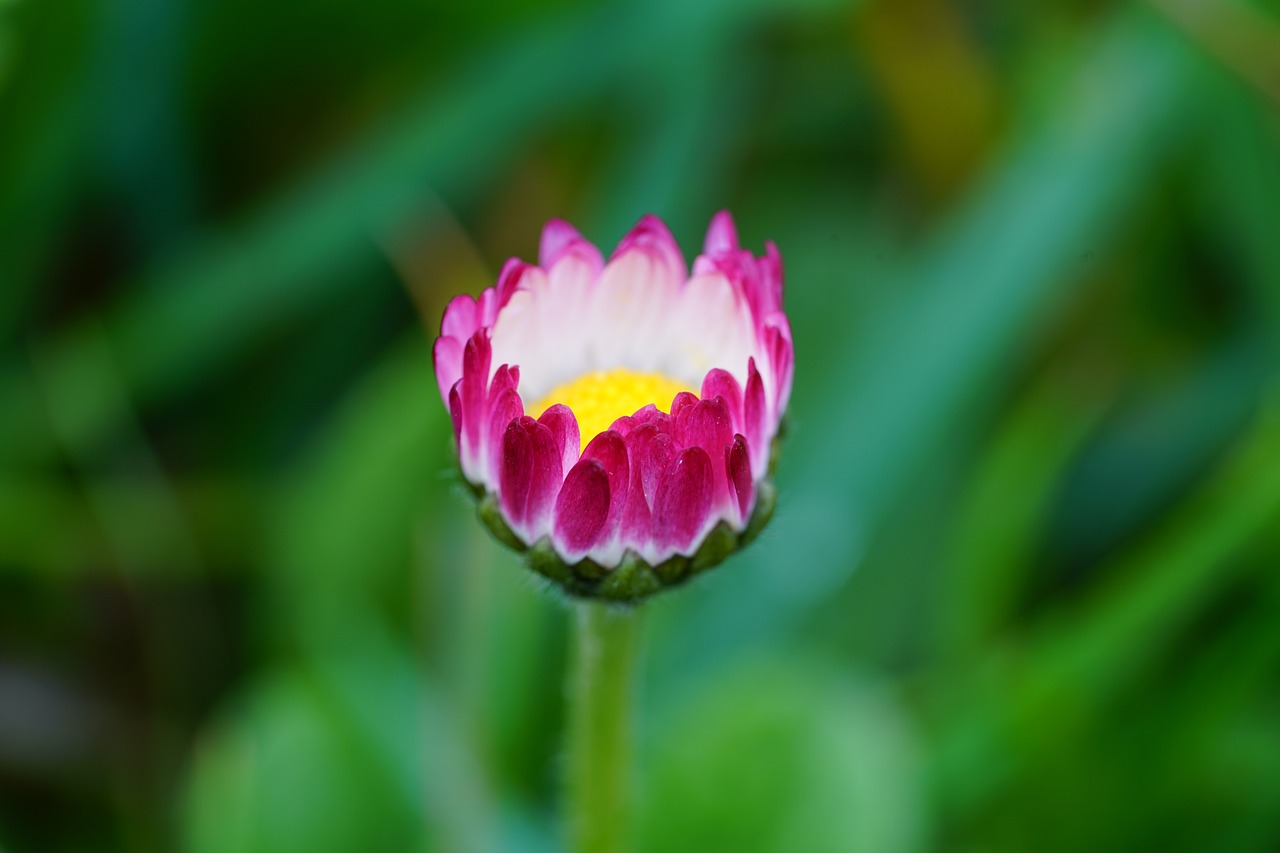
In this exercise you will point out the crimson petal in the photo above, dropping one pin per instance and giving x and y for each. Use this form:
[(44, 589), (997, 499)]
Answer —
[(582, 508), (738, 468), (754, 413), (684, 500), (721, 383), (446, 356), (610, 450), (546, 477), (560, 419), (515, 472), (506, 408)]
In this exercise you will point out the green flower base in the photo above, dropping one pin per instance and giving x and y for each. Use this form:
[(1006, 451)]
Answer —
[(634, 579)]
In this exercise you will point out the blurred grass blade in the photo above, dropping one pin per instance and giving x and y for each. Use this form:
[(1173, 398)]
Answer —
[(1004, 258), (1084, 655), (1070, 675), (930, 357), (205, 306), (1005, 513), (346, 527)]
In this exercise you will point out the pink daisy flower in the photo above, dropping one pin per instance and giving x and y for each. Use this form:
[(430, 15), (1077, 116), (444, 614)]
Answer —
[(618, 419)]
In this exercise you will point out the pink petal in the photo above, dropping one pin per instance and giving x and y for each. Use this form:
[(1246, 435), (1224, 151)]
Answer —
[(651, 235), (624, 425), (515, 472), (637, 517), (509, 280), (446, 355), (650, 414), (487, 307), (721, 383), (581, 509), (460, 318), (506, 408), (741, 484), (771, 275), (560, 419), (754, 415), (548, 474), (475, 381), (560, 239), (472, 391), (557, 236), (707, 425), (680, 401), (684, 500), (504, 378), (455, 413), (656, 457), (722, 235), (609, 449), (778, 346)]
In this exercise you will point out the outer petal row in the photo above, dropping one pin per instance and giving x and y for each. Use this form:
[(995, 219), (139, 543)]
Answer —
[(654, 483)]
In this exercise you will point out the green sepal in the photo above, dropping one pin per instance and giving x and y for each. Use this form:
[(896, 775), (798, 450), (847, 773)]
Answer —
[(720, 543), (634, 579), (543, 559), (491, 516), (631, 581), (672, 570), (766, 502)]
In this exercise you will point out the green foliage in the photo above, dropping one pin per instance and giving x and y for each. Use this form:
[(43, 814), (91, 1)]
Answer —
[(781, 754), (1020, 590)]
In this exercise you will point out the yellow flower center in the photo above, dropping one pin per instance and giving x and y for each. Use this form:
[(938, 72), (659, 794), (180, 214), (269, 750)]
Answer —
[(601, 397)]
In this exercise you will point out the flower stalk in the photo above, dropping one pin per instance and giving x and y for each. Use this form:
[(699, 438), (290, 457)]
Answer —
[(598, 735)]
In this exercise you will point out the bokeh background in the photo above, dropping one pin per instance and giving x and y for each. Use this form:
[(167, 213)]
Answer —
[(1023, 588)]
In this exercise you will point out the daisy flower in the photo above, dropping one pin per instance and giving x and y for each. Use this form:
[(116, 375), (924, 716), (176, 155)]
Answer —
[(617, 420)]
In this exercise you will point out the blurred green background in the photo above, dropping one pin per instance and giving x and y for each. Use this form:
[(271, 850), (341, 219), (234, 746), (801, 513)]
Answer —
[(1022, 590)]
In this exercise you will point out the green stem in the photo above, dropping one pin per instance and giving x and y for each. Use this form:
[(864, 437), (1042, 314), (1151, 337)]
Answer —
[(598, 735)]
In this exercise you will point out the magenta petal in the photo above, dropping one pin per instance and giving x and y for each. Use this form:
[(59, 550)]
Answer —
[(487, 307), (509, 279), (771, 275), (684, 500), (651, 414), (561, 240), (582, 508), (656, 457), (680, 401), (446, 355), (637, 516), (777, 342), (544, 484), (505, 378), (560, 419), (609, 449), (455, 412), (754, 413), (651, 234), (473, 389), (506, 408), (722, 234), (461, 319), (707, 425), (515, 473), (721, 383), (636, 526), (557, 236), (738, 467), (624, 425)]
